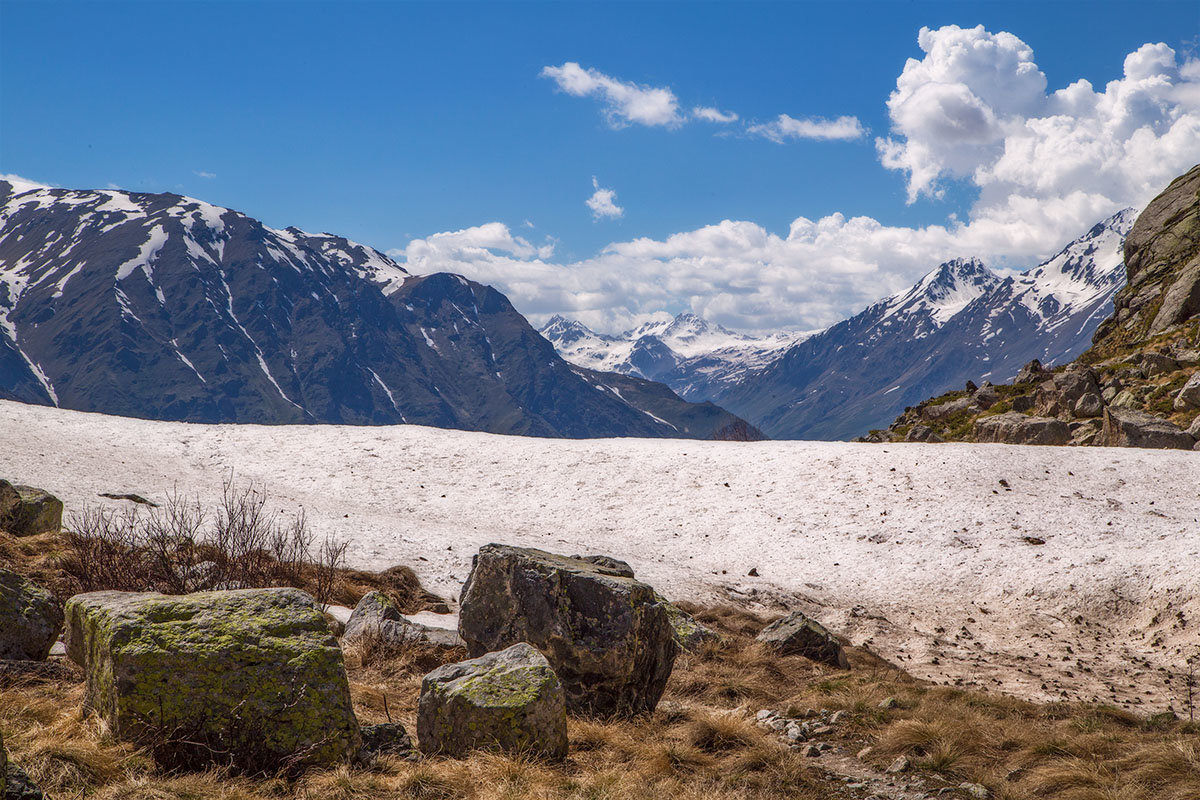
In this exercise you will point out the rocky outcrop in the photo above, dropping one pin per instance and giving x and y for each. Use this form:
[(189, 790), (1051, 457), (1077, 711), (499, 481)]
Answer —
[(797, 634), (608, 636), (26, 511), (1128, 428), (510, 701), (30, 618), (249, 678), (377, 615), (1015, 428), (1189, 395)]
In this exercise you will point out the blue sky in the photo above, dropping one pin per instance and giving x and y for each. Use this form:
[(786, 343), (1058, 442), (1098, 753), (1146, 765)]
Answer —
[(389, 121)]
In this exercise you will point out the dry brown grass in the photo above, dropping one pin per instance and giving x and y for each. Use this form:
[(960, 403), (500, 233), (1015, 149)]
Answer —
[(700, 743)]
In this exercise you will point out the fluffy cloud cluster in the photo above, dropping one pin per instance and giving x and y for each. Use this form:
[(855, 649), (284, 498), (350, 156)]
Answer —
[(603, 202), (624, 103), (976, 108)]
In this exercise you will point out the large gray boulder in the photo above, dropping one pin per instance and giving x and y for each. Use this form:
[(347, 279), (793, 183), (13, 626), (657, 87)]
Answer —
[(1189, 395), (1060, 393), (510, 701), (250, 678), (377, 615), (26, 511), (30, 618), (797, 634), (607, 635), (1014, 428), (1129, 428)]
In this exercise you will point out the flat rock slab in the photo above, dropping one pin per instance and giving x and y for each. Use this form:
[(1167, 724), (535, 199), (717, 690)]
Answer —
[(510, 701), (250, 678), (607, 635)]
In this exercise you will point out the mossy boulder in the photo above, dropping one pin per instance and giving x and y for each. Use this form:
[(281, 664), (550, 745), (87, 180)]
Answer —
[(26, 511), (30, 619), (377, 615), (608, 636), (250, 678), (797, 634), (510, 701)]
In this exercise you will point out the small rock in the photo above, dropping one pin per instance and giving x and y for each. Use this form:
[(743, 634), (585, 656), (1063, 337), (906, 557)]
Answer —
[(753, 573), (822, 730), (777, 724), (810, 751), (865, 753), (763, 716), (26, 511), (377, 615), (887, 703), (976, 790), (838, 717), (30, 618), (510, 700), (796, 634), (899, 765), (795, 732), (387, 739)]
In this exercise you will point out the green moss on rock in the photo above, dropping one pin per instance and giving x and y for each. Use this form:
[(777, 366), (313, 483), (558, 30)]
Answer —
[(250, 678)]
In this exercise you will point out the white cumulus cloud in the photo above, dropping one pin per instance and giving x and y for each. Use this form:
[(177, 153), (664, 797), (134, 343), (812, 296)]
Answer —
[(603, 202), (785, 127), (624, 103), (710, 114), (1047, 165)]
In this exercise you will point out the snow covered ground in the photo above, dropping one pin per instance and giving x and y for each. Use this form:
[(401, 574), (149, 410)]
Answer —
[(922, 552)]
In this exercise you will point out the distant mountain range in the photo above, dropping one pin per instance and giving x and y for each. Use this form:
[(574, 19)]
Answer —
[(960, 322), (165, 307), (696, 358)]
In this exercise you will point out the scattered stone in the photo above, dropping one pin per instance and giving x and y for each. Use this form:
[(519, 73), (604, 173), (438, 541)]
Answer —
[(1034, 540), (899, 765), (249, 678), (753, 573), (609, 637), (922, 433), (838, 717), (30, 618), (1014, 428), (764, 716), (377, 615), (865, 753), (510, 701), (1128, 428), (26, 511), (1189, 395), (777, 724), (810, 751), (797, 634), (887, 703), (795, 732), (387, 739), (976, 790), (822, 730), (1030, 373), (1089, 405)]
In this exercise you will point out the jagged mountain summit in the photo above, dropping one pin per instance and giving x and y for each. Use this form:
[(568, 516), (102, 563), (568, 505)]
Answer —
[(165, 307), (960, 322), (697, 358)]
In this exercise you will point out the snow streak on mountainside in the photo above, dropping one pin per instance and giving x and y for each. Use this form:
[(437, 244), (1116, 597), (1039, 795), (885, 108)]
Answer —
[(960, 322), (696, 358), (161, 306)]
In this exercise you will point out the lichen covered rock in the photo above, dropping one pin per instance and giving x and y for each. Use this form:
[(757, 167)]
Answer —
[(797, 634), (510, 701), (250, 678), (1128, 428), (1015, 428), (26, 511), (608, 636), (30, 618)]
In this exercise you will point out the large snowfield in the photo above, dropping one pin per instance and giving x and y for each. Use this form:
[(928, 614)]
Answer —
[(931, 555)]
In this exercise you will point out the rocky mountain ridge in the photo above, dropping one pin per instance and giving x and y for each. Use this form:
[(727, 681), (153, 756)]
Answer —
[(165, 307), (1137, 385)]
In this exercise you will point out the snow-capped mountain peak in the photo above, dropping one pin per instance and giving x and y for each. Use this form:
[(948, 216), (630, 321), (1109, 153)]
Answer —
[(943, 292)]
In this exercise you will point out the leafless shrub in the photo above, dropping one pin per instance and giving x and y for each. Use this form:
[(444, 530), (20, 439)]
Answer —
[(177, 548)]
